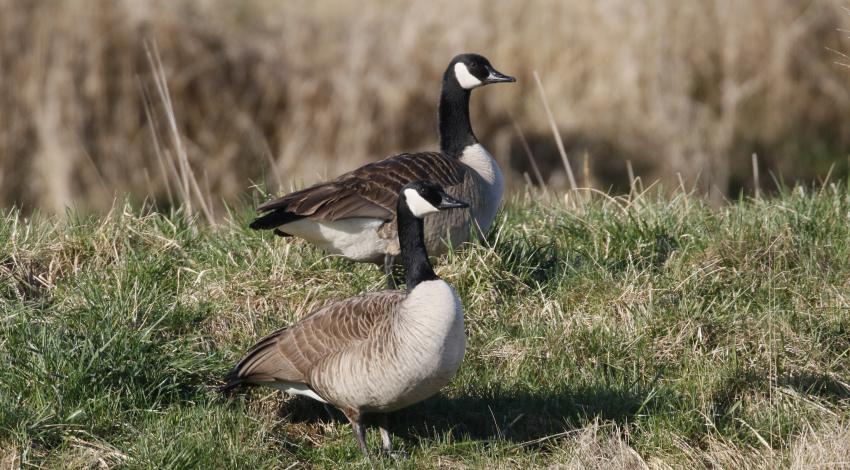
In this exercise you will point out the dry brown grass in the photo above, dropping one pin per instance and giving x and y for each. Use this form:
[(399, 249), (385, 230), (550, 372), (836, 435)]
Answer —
[(285, 93), (9, 457), (827, 448)]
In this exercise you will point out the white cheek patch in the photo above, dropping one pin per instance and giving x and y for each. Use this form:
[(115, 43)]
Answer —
[(417, 204), (466, 79)]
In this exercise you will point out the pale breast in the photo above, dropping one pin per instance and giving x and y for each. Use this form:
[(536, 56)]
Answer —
[(490, 189), (482, 189), (418, 355)]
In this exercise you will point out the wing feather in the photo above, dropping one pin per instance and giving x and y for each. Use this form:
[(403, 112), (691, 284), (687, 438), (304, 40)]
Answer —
[(369, 191), (288, 354)]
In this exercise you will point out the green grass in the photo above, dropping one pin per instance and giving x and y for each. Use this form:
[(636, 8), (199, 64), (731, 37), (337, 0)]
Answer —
[(638, 332)]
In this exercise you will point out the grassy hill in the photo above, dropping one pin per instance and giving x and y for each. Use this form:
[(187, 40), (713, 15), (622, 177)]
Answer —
[(646, 331)]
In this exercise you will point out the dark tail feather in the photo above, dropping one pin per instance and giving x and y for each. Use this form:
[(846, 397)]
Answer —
[(274, 219), (232, 381)]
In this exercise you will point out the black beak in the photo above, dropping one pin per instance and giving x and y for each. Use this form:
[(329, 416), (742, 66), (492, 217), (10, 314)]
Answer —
[(494, 76), (449, 202)]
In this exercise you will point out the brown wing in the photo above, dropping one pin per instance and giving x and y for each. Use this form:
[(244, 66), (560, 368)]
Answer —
[(287, 355), (369, 191)]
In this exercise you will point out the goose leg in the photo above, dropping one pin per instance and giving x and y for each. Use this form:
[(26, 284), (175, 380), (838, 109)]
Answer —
[(360, 433), (386, 440), (359, 430)]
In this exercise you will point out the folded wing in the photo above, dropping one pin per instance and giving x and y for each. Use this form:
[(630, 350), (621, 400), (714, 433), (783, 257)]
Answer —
[(288, 355), (369, 191)]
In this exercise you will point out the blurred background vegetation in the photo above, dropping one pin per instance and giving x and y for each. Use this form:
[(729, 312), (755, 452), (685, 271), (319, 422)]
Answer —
[(282, 94)]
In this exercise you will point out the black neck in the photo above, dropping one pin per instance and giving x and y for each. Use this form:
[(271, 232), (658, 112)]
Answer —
[(455, 129), (411, 239)]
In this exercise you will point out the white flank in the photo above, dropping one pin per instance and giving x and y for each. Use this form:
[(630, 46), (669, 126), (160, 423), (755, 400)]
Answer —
[(466, 79), (297, 389), (417, 204), (356, 239)]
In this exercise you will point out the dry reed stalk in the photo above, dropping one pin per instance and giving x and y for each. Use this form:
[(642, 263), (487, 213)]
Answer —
[(555, 133), (184, 172), (166, 175), (756, 181), (529, 155), (585, 170)]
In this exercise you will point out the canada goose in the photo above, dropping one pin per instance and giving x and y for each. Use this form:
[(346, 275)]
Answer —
[(377, 352), (354, 214)]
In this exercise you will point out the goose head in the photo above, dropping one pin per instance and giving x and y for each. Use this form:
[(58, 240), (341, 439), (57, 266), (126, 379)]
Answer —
[(474, 70), (424, 197)]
